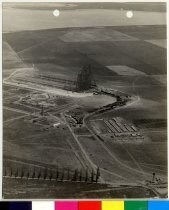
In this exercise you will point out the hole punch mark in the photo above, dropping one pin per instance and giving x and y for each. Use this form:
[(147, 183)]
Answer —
[(129, 14), (56, 13)]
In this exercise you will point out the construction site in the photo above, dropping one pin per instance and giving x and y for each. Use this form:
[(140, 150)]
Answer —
[(81, 104), (84, 80)]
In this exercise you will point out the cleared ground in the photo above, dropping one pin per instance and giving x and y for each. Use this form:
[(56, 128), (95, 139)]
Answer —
[(158, 42), (96, 35), (125, 70)]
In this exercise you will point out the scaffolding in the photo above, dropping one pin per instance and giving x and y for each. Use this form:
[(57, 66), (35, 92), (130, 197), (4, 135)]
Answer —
[(85, 79)]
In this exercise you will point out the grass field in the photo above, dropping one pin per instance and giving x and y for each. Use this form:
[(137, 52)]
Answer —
[(9, 114), (99, 54), (115, 168), (10, 58), (27, 141), (153, 154), (69, 190)]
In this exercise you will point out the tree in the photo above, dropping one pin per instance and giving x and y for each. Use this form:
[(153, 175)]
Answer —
[(16, 173), (45, 173), (68, 174), (75, 175), (92, 176), (63, 174), (97, 174), (80, 176), (11, 173), (22, 173), (57, 173), (33, 175), (39, 174), (86, 176), (51, 175), (28, 175)]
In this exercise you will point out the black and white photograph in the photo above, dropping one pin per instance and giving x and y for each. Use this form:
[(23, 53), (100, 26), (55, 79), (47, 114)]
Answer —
[(84, 100)]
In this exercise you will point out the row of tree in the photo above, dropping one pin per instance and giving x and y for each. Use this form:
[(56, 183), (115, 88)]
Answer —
[(50, 174)]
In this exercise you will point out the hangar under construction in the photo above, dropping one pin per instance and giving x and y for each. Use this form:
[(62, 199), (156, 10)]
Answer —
[(85, 79)]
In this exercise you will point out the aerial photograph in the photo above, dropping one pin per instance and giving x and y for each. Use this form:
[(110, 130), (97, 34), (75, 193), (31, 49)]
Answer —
[(84, 100)]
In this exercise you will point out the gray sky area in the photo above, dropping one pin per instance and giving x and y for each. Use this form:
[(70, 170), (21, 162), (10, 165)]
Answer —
[(19, 17)]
